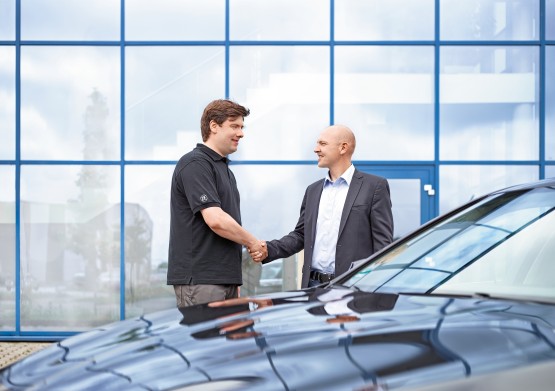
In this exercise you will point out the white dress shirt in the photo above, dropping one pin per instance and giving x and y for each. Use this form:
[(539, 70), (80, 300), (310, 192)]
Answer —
[(329, 217)]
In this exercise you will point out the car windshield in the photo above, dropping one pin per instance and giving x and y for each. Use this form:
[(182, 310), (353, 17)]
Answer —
[(501, 246)]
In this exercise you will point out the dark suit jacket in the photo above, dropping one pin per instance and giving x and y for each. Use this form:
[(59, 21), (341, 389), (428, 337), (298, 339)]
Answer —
[(366, 224)]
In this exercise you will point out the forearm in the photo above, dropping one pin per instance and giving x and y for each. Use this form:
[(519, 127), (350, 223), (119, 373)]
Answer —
[(225, 226), (285, 247)]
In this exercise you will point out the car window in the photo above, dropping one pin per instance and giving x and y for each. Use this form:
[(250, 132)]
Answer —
[(500, 245)]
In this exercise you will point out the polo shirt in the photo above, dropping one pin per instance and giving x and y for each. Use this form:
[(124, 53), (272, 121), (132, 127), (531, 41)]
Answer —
[(197, 255)]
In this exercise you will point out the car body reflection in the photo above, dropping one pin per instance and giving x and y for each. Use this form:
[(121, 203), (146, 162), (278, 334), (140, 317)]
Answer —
[(470, 294)]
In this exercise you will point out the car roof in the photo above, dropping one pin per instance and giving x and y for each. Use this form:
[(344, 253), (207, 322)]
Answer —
[(530, 185)]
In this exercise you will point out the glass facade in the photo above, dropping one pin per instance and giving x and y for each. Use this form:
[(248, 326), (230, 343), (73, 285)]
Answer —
[(448, 99), (69, 246), (490, 20), (550, 103), (386, 93), (8, 253), (69, 20), (489, 103), (7, 107), (70, 105)]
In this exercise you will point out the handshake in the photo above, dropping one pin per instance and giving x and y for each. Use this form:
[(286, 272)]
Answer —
[(258, 251)]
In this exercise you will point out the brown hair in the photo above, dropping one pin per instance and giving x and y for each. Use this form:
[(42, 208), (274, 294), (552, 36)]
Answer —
[(219, 111)]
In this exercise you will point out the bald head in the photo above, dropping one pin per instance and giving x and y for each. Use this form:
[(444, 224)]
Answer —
[(334, 149), (341, 134)]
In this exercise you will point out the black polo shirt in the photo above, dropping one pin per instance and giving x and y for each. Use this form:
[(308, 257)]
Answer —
[(197, 255)]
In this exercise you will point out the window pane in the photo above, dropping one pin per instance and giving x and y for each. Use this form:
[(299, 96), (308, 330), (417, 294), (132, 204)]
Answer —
[(549, 19), (279, 20), (550, 102), (7, 243), (147, 218), (489, 103), (70, 252), (175, 20), (70, 20), (385, 94), (287, 90), (7, 20), (166, 91), (70, 103), (384, 20), (282, 187), (406, 205), (7, 105), (549, 171), (489, 19), (459, 184)]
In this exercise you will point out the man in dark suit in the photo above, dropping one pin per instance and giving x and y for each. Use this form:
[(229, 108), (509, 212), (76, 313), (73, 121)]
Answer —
[(344, 217)]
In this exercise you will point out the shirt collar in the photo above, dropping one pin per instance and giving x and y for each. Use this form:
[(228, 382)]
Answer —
[(347, 176), (213, 154)]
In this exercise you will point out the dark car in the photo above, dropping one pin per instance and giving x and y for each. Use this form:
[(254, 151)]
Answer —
[(469, 297)]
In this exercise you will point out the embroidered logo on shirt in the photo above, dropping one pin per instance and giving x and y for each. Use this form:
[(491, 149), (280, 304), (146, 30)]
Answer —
[(203, 198)]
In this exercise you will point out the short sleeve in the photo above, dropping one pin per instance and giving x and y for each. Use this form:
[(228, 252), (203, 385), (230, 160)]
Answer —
[(199, 184)]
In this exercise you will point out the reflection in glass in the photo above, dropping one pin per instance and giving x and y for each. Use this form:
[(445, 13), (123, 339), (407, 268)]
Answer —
[(405, 198), (364, 20), (7, 244), (287, 89), (489, 103), (549, 20), (70, 20), (70, 252), (166, 91), (550, 102), (385, 94), (147, 218), (489, 19), (299, 20), (7, 20), (174, 20), (70, 103), (7, 107), (459, 184), (468, 252)]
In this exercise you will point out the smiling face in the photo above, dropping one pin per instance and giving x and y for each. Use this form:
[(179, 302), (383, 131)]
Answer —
[(328, 148), (224, 138), (334, 149)]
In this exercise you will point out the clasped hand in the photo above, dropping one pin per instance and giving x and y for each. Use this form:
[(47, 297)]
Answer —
[(258, 251)]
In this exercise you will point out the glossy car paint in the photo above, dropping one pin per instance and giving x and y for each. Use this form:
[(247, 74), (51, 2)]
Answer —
[(339, 337), (294, 341)]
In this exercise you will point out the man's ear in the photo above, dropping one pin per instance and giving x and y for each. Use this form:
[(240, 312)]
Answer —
[(343, 148), (213, 126)]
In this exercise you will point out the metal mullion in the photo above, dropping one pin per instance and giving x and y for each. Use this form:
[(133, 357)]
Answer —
[(122, 162), (437, 71), (68, 43), (17, 167), (543, 86), (332, 62), (226, 45)]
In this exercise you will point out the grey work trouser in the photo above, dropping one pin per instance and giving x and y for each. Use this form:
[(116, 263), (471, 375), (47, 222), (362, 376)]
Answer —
[(188, 295)]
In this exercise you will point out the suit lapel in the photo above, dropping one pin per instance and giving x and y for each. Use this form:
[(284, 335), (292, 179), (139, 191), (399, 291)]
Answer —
[(352, 193)]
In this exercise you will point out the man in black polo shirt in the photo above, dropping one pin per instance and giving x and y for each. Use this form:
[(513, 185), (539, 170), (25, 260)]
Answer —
[(206, 237)]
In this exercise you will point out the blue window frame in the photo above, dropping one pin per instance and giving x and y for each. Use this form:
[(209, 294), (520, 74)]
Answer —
[(296, 83)]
